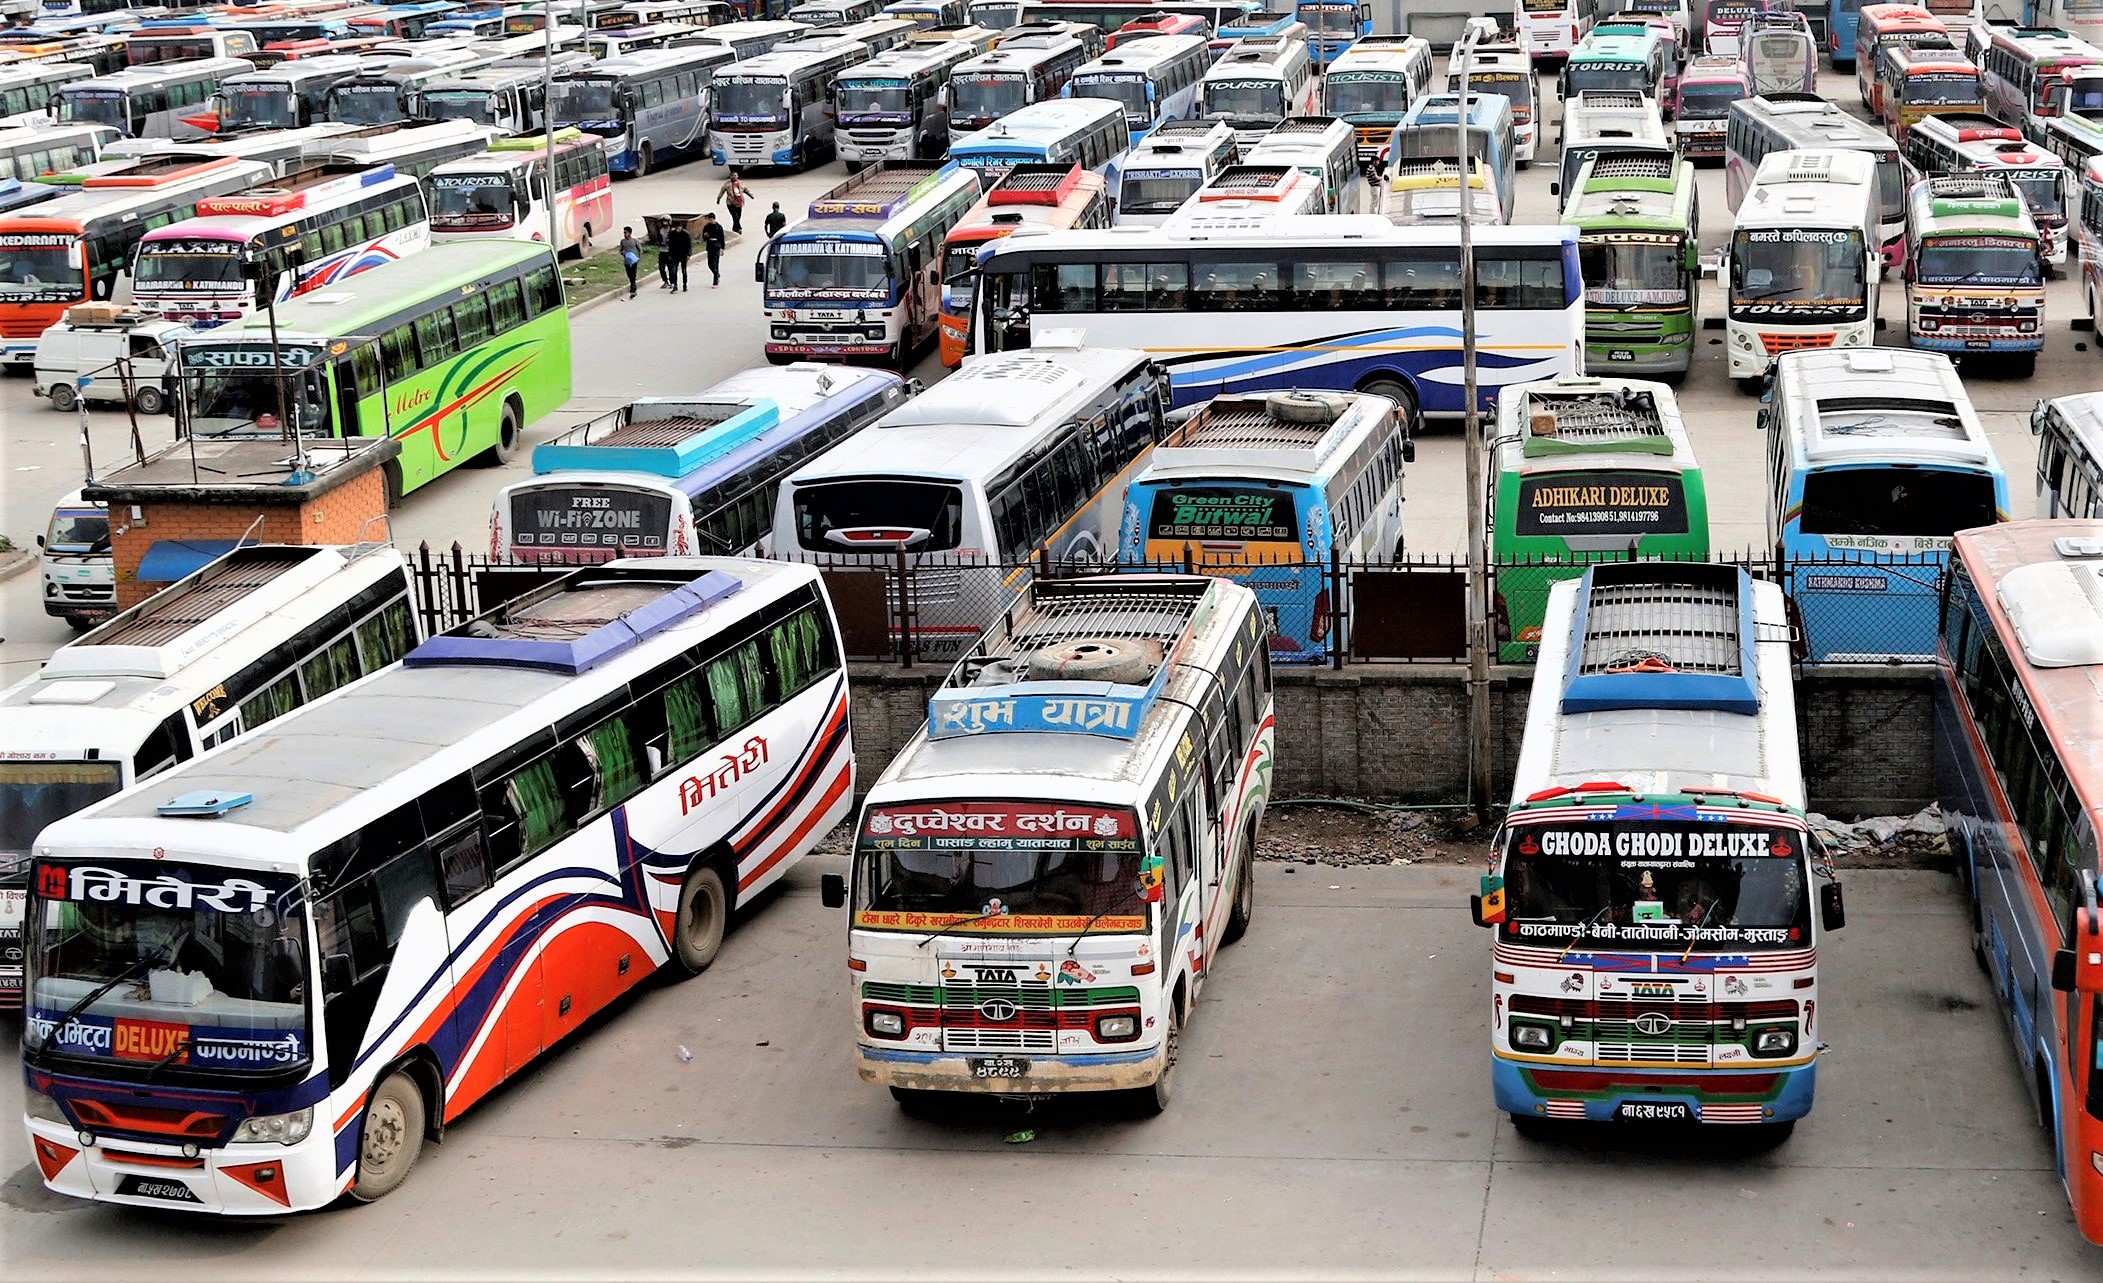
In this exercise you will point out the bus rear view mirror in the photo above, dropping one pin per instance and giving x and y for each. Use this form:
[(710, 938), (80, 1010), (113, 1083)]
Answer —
[(1475, 910), (1409, 449), (832, 890), (2064, 969), (759, 271), (336, 973), (1832, 910)]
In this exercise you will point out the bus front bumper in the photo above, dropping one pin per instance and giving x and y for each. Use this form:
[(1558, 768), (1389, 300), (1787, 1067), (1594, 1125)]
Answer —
[(238, 1180), (1041, 1074), (1605, 1095)]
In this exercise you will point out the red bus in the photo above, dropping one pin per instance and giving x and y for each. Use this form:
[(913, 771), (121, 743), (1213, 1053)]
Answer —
[(1160, 24), (2019, 751), (1053, 197)]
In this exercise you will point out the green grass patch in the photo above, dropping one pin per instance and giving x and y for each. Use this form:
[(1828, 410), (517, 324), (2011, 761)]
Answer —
[(587, 278)]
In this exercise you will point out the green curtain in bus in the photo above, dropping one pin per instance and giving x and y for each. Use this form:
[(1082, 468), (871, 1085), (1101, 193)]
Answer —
[(737, 684), (537, 799), (686, 720), (794, 644), (613, 758)]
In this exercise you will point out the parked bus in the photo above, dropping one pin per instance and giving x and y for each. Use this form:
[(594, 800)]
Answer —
[(1256, 84), (683, 475), (152, 43), (401, 21), (1760, 127), (823, 14), (1547, 30), (1089, 132), (1015, 457), (1639, 250), (1333, 26), (1627, 63), (412, 147), (1344, 302), (896, 105), (1051, 197), (386, 94), (1707, 88), (26, 153), (2018, 777), (245, 638), (1655, 959), (29, 90), (452, 353), (975, 38), (1801, 260), (1723, 20), (1429, 132), (290, 95), (1874, 459), (1918, 81), (2069, 432), (1373, 85), (1322, 147), (2027, 72), (688, 671), (75, 248), (1093, 42), (747, 39), (284, 150), (1587, 470), (880, 34), (1247, 196), (1243, 492), (1169, 166), (1109, 15), (1161, 24), (1670, 40), (105, 53), (1019, 72), (1427, 193), (927, 13), (1975, 271), (647, 107), (1155, 80), (511, 100), (1779, 54), (776, 109), (1891, 26), (1958, 144), (2087, 238), (1123, 854), (1258, 23), (504, 192), (148, 102), (621, 42), (1600, 123)]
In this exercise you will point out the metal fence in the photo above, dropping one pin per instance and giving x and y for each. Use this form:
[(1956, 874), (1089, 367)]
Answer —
[(929, 610)]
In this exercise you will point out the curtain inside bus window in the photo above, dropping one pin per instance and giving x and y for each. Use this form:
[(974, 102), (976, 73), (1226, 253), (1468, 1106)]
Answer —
[(614, 765), (537, 801), (795, 649), (329, 669), (686, 719)]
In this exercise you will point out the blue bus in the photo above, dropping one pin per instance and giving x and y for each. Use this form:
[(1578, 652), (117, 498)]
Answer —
[(1334, 26), (1263, 22), (688, 475), (1875, 458), (1154, 78), (1429, 132), (1089, 132), (646, 105), (1842, 18)]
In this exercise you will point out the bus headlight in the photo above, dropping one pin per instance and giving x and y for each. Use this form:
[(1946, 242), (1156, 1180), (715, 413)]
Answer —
[(1742, 340), (285, 1129), (43, 1108), (1532, 1037), (885, 1024), (1116, 1028), (1774, 1042)]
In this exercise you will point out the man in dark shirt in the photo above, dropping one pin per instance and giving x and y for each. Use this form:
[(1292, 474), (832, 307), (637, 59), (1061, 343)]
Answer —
[(678, 247), (712, 242)]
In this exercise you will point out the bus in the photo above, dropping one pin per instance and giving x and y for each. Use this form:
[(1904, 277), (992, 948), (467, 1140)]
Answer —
[(28, 90), (1333, 26), (503, 193), (621, 42), (385, 94), (1629, 63), (401, 21), (1723, 22), (2027, 72), (1089, 132), (881, 34), (452, 352), (323, 225), (776, 109), (284, 150), (647, 107), (1957, 144), (975, 38), (510, 100), (1114, 832), (1017, 459), (1373, 84), (1269, 491), (891, 221), (1155, 80), (74, 249), (2069, 432), (1918, 81), (1256, 84), (896, 105), (1888, 26), (1547, 30), (1053, 197), (412, 147), (1169, 166), (1429, 132), (1586, 470), (1343, 302), (834, 13), (1320, 146), (1975, 265), (290, 95), (521, 751), (1639, 250), (151, 43), (998, 15), (1162, 24), (1508, 75), (2087, 249), (1269, 23), (1707, 88), (1247, 196), (26, 153), (1421, 193), (927, 13), (1760, 127), (1094, 43), (1603, 123), (16, 194), (1801, 260), (747, 39), (683, 475), (253, 633), (1017, 73), (2017, 673), (1109, 15), (1778, 53), (1656, 960), (105, 53), (149, 102), (1887, 444)]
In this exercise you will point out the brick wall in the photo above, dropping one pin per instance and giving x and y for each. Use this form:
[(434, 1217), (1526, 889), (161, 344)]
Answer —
[(342, 515)]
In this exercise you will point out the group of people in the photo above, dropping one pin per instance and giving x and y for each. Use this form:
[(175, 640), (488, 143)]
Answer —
[(678, 244)]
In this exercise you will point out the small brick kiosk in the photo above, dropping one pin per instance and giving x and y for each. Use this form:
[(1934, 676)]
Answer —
[(192, 501)]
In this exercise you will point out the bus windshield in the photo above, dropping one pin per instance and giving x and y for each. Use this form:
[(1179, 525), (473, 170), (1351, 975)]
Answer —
[(36, 266), (1633, 886), (461, 104), (1878, 500), (260, 107), (1708, 99), (467, 200), (1631, 76), (928, 516), (1128, 92), (1158, 191), (875, 102), (987, 96), (34, 795), (749, 102), (582, 100), (1360, 94), (1343, 18), (1245, 99), (190, 263), (999, 858), (1513, 85), (1978, 260), (2041, 192), (829, 269), (1633, 268), (1940, 89), (366, 105), (95, 107), (1815, 266), (244, 401), (209, 965)]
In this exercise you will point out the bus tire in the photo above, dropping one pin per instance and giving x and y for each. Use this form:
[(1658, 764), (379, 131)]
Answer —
[(1243, 908), (391, 477), (1750, 387), (390, 1138), (1399, 392), (2021, 365), (509, 429), (1154, 1101), (149, 399), (916, 1102), (704, 910), (642, 161), (63, 396)]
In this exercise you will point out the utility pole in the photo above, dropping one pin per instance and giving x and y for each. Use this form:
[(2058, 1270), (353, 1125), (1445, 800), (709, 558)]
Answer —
[(1478, 571), (547, 124)]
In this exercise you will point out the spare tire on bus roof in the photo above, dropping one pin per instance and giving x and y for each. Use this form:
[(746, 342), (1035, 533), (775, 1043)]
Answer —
[(1306, 407), (1097, 659)]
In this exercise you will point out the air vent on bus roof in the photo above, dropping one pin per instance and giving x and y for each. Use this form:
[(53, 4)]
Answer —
[(1638, 165), (2056, 608), (1662, 635)]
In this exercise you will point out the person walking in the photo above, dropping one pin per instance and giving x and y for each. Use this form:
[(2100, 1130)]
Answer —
[(631, 256), (734, 193), (664, 261), (776, 220), (712, 242), (678, 247)]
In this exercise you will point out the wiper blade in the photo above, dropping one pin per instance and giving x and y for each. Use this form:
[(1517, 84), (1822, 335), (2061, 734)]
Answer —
[(143, 962), (1604, 909), (965, 922), (1076, 943)]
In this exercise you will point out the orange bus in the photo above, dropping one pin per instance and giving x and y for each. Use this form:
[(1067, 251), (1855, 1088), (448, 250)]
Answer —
[(74, 248), (1918, 81), (1881, 25), (1054, 197)]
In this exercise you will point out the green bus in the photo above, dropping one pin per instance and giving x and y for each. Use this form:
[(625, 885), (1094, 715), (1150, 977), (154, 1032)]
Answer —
[(451, 351), (1587, 470), (1638, 219)]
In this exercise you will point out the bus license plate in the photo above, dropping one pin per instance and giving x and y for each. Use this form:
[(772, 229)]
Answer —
[(161, 1187), (1661, 1111), (1620, 354), (998, 1066)]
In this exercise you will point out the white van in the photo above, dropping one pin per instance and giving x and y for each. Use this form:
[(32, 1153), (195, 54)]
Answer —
[(80, 579), (90, 340)]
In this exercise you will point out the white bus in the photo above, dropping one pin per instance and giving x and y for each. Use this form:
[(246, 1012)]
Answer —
[(1245, 197), (1014, 457), (2069, 432), (28, 89), (1167, 167), (412, 147), (859, 276), (284, 150), (684, 475), (1257, 83), (1607, 122), (385, 94), (747, 39), (896, 105), (559, 809), (1373, 84), (1042, 878), (1321, 146), (1019, 72), (150, 102), (287, 96), (1089, 132), (1802, 261), (504, 192), (510, 100), (776, 109), (1155, 79), (1759, 127), (251, 635), (1550, 29), (27, 152), (1508, 74)]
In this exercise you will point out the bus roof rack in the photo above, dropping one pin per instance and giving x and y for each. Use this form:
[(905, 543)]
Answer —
[(1662, 635), (1567, 419), (661, 436), (581, 620), (173, 628)]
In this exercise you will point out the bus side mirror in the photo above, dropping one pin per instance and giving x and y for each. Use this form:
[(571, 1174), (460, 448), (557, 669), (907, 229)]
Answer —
[(336, 973), (1475, 910), (934, 276), (1832, 911), (1409, 449), (40, 541), (2037, 418), (832, 891), (1555, 189), (759, 271)]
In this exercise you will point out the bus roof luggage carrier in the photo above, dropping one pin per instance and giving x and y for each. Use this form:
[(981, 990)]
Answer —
[(1653, 635), (660, 436), (582, 619), (1573, 420), (1256, 430)]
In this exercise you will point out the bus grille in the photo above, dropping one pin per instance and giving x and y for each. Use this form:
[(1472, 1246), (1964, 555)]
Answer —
[(1000, 1040), (1774, 343), (1671, 1052)]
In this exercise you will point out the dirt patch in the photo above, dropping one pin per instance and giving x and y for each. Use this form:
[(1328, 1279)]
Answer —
[(1350, 833)]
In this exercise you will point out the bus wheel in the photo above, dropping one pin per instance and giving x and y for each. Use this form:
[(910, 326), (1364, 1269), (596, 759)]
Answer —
[(642, 161), (1244, 907), (506, 447), (1750, 387), (149, 399), (704, 909), (391, 477), (2022, 365), (390, 1139), (917, 1103), (1153, 1101), (63, 397), (1405, 400)]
